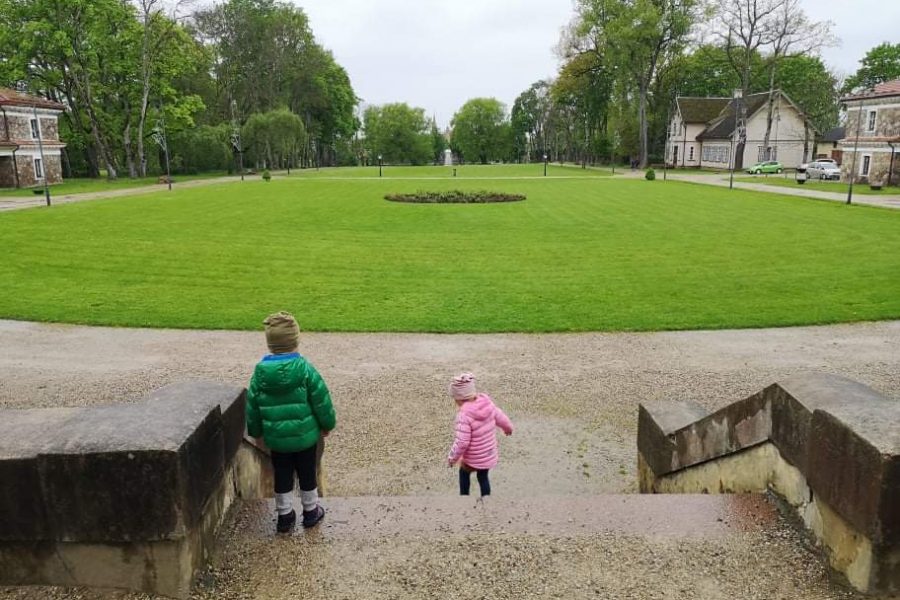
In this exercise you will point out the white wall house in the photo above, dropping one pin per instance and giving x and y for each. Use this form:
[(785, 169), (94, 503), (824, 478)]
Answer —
[(703, 132)]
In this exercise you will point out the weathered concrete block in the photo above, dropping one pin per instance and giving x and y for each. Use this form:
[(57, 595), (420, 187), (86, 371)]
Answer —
[(23, 435), (796, 398), (829, 445), (657, 421), (121, 496), (854, 468)]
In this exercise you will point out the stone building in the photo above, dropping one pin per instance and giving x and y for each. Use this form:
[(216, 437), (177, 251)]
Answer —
[(20, 157), (702, 132), (871, 148)]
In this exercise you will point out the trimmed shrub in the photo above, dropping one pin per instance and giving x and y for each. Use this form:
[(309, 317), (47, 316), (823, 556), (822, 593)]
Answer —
[(650, 175), (266, 175)]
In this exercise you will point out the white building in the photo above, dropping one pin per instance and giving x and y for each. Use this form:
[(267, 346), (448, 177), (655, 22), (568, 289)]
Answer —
[(702, 132)]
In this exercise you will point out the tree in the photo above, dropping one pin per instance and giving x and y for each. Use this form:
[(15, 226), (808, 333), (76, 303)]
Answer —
[(776, 28), (481, 130), (273, 138), (399, 133), (530, 121), (880, 64), (265, 57), (438, 142), (639, 37)]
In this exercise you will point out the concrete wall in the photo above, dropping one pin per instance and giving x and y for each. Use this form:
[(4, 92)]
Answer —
[(827, 445), (127, 496)]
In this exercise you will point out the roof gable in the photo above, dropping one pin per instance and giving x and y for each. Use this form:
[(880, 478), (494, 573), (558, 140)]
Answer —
[(10, 97), (700, 110), (881, 90), (723, 126)]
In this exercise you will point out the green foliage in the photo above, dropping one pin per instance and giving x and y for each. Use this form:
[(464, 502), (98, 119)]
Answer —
[(273, 139), (481, 131), (807, 81), (201, 149), (266, 175), (266, 57), (880, 64), (581, 254), (650, 175), (399, 133)]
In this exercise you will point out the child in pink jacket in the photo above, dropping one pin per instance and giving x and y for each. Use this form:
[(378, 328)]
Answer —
[(475, 446)]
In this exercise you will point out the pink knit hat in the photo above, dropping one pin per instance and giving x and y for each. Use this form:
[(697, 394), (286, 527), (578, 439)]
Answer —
[(463, 387)]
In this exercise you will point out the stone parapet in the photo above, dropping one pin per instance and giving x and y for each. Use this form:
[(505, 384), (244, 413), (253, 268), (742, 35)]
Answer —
[(828, 445), (123, 496)]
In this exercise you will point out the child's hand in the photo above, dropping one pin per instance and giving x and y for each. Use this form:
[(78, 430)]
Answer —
[(508, 433)]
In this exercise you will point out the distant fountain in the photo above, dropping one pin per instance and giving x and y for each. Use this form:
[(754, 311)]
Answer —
[(448, 157)]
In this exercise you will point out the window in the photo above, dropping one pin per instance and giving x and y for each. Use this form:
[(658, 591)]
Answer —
[(35, 129), (717, 154), (763, 155), (691, 153), (38, 169), (864, 167), (871, 123)]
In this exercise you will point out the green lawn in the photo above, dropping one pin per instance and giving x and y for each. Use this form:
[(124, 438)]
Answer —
[(822, 186), (580, 254), (84, 185)]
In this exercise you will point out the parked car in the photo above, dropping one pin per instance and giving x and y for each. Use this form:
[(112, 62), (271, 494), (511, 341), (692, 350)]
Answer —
[(768, 166), (823, 169)]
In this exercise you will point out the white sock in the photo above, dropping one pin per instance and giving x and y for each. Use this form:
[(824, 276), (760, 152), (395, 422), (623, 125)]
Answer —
[(309, 499), (283, 504)]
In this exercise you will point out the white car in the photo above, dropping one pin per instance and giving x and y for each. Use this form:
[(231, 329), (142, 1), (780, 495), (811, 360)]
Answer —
[(824, 168)]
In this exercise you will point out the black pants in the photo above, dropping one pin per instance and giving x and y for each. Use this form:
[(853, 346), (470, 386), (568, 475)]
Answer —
[(302, 463), (465, 481)]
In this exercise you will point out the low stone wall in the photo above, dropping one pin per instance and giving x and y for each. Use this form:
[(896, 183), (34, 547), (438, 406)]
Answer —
[(127, 496), (828, 445)]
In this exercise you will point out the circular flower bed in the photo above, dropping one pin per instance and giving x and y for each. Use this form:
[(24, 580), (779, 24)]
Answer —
[(455, 197)]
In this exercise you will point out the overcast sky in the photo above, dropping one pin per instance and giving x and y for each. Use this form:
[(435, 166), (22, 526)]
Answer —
[(438, 54)]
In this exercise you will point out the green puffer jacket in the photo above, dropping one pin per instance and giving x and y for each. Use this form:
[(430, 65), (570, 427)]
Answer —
[(288, 403)]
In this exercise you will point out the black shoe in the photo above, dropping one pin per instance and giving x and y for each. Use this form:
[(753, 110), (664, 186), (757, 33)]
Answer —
[(312, 517), (286, 522)]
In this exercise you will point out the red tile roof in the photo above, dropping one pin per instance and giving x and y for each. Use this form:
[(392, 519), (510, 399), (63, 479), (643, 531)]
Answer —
[(9, 97), (881, 90)]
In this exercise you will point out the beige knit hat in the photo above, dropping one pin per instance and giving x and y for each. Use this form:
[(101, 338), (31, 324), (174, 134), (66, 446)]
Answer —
[(282, 333)]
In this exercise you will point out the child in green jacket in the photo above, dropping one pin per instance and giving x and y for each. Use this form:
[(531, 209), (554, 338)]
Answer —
[(289, 406)]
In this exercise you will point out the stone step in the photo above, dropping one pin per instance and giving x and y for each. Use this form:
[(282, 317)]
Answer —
[(674, 516), (610, 546)]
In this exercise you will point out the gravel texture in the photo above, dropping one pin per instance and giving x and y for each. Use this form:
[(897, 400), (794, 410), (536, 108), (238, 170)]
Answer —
[(573, 399)]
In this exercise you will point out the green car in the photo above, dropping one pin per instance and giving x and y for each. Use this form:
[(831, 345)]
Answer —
[(769, 166)]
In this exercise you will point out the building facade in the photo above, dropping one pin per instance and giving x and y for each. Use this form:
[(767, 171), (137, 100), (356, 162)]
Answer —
[(703, 132), (27, 123), (871, 146)]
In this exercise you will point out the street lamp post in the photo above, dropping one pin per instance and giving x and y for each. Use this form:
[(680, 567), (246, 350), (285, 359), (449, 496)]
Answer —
[(159, 136), (380, 164), (41, 151), (737, 95), (545, 165), (862, 103)]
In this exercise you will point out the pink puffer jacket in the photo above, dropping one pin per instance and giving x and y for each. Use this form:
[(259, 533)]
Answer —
[(476, 441)]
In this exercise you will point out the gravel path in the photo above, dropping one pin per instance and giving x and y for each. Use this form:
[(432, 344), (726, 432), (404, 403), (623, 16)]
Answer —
[(722, 180), (573, 398)]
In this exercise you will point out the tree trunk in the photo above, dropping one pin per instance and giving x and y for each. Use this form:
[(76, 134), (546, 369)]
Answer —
[(769, 114), (642, 119)]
